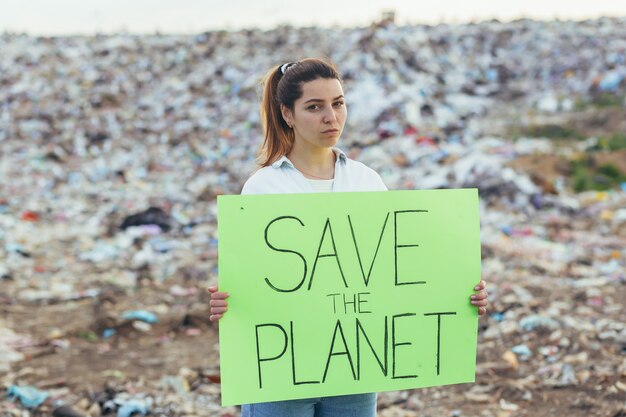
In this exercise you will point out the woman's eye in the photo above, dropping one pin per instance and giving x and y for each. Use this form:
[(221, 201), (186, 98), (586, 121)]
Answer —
[(339, 103), (313, 107)]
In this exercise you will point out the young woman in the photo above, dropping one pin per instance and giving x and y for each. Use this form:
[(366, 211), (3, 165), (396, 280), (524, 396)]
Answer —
[(304, 112)]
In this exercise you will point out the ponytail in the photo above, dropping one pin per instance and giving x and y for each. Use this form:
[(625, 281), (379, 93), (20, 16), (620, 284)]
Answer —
[(279, 136)]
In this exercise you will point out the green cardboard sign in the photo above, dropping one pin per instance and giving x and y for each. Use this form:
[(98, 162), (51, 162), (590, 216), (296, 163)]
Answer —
[(344, 293)]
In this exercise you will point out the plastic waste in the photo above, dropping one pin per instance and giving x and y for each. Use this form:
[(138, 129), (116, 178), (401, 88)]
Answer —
[(611, 81), (522, 351), (29, 397), (430, 107), (533, 322), (132, 407), (65, 411), (141, 315), (151, 216)]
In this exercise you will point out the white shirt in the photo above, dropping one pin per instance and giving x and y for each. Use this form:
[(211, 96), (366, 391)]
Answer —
[(322, 186), (282, 177)]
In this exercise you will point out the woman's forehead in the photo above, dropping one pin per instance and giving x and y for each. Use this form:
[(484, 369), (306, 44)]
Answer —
[(322, 88)]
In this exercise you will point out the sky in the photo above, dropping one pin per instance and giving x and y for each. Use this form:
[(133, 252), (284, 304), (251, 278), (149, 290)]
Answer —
[(69, 17)]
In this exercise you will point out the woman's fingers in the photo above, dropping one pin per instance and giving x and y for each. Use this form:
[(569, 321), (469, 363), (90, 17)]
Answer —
[(218, 303), (480, 298), (215, 317), (480, 295), (481, 285), (216, 295), (219, 296)]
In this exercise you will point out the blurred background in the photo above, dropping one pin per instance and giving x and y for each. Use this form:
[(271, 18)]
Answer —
[(120, 123)]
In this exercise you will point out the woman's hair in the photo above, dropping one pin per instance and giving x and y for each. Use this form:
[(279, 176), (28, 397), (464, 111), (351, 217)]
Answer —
[(285, 89)]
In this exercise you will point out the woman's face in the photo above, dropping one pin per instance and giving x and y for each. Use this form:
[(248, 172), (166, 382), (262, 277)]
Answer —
[(318, 117)]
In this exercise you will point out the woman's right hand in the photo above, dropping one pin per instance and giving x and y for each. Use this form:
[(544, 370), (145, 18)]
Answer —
[(218, 305)]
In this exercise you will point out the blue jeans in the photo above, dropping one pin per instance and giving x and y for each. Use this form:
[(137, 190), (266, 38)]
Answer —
[(357, 405)]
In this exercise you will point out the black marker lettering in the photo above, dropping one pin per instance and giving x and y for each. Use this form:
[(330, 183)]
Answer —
[(366, 279), (258, 348), (293, 360), (363, 301), (383, 367), (346, 303), (334, 304), (286, 251), (439, 334), (345, 352), (394, 344), (396, 246), (334, 254)]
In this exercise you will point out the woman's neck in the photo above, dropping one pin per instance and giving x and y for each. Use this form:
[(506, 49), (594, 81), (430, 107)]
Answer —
[(315, 164)]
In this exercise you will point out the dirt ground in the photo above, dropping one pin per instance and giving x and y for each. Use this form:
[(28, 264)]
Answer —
[(89, 365), (547, 168), (163, 350), (544, 169)]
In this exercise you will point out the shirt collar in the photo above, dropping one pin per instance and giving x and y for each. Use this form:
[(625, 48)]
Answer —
[(341, 157)]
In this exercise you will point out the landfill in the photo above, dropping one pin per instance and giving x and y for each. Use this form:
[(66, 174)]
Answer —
[(113, 149)]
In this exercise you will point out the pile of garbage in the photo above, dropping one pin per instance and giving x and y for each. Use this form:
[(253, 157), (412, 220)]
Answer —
[(114, 149)]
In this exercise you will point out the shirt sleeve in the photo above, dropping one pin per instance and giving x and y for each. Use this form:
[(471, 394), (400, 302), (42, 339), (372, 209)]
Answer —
[(246, 189), (253, 185), (374, 181), (380, 185)]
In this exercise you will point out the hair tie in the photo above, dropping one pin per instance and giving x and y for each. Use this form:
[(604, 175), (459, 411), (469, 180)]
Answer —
[(286, 66)]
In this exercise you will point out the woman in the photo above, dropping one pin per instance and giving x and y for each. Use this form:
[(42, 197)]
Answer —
[(303, 114)]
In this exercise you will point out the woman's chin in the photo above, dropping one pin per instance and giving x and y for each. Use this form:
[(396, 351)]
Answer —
[(329, 140)]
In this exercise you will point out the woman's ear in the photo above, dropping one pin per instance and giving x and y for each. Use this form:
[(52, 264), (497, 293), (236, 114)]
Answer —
[(287, 115)]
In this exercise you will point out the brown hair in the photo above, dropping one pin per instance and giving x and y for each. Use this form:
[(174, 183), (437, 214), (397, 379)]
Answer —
[(285, 89)]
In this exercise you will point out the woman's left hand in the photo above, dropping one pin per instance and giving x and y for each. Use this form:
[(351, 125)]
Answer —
[(480, 298)]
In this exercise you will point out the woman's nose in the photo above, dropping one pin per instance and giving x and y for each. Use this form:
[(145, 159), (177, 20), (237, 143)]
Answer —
[(330, 116)]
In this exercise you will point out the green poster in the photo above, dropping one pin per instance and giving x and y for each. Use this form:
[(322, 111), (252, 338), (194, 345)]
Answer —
[(344, 293)]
